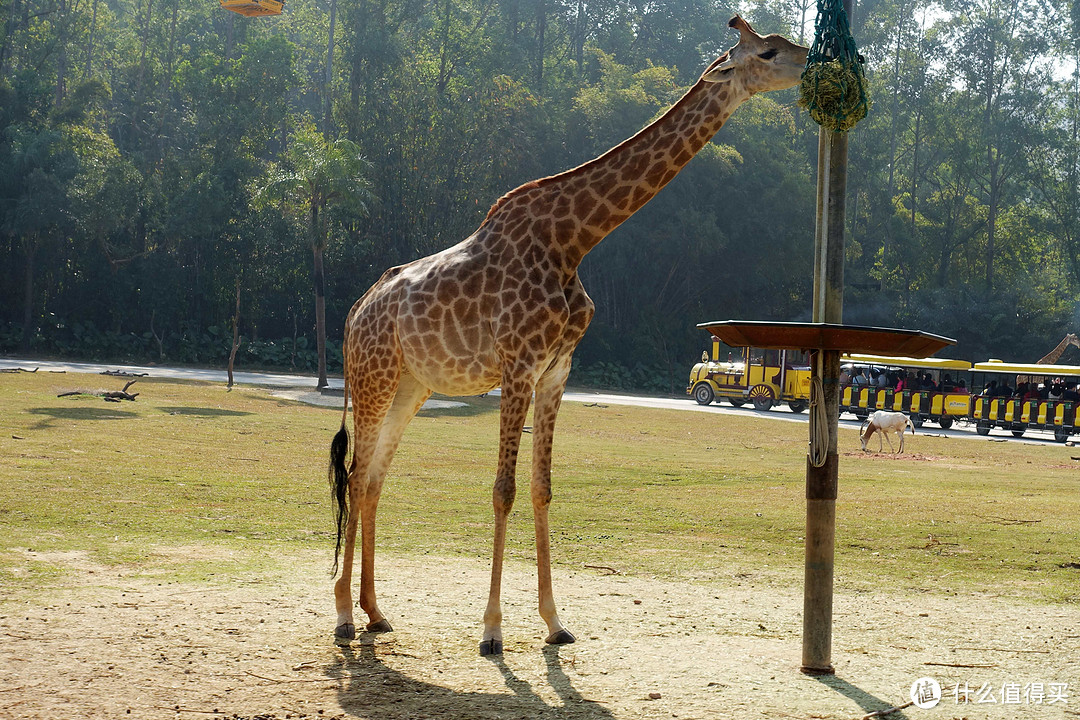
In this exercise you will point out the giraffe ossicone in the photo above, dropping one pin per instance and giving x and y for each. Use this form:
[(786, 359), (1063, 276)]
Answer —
[(506, 307)]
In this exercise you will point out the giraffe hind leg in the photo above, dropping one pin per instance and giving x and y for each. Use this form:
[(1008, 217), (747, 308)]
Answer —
[(408, 400), (548, 399), (375, 394)]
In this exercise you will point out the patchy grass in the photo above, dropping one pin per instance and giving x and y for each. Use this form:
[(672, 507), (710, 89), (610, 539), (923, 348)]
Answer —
[(190, 481)]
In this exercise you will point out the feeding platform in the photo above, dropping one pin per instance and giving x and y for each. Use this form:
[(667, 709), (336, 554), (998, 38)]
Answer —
[(253, 8), (889, 342), (825, 342)]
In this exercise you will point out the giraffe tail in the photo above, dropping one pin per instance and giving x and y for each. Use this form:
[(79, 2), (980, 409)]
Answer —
[(339, 481)]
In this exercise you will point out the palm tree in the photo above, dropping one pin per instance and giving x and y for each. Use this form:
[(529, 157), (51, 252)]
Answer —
[(315, 175)]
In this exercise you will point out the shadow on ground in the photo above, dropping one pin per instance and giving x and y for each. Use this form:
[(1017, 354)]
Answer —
[(869, 703), (203, 412), (369, 688), (79, 414)]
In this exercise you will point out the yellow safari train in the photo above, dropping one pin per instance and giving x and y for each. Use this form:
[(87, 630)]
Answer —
[(986, 396), (1010, 396), (924, 388)]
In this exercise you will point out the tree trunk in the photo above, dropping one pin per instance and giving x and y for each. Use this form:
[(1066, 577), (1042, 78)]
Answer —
[(328, 94), (30, 246), (137, 95), (444, 55), (61, 55), (579, 37), (229, 34), (90, 41), (318, 249), (235, 334), (895, 111), (541, 26)]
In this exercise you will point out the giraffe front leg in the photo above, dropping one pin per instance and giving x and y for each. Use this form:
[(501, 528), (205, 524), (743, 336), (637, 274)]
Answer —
[(516, 397), (548, 399)]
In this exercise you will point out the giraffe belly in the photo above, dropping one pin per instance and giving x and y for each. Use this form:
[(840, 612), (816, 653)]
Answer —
[(450, 365)]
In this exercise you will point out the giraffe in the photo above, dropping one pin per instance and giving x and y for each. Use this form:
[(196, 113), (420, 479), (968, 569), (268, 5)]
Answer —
[(1053, 356), (506, 307)]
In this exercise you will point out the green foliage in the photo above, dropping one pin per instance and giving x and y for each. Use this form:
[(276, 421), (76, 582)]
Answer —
[(155, 157)]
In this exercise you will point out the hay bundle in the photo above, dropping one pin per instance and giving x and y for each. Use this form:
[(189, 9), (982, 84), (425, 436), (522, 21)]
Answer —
[(834, 93)]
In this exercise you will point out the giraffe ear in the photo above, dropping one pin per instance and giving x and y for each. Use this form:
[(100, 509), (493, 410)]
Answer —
[(741, 25), (719, 73)]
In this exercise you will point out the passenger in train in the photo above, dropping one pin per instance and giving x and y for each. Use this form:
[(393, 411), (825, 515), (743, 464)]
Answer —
[(1072, 393)]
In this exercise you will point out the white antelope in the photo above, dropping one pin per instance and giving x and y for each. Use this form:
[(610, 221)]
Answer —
[(883, 423)]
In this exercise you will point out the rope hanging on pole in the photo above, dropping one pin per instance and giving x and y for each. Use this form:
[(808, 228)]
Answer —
[(819, 424), (833, 86)]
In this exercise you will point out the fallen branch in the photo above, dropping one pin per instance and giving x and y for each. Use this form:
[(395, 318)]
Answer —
[(962, 665), (122, 394), (610, 570), (108, 395), (997, 649), (124, 373), (18, 370), (302, 680)]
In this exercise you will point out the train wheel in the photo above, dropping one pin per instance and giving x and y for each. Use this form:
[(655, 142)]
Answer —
[(797, 406), (1061, 434), (703, 393), (762, 397), (1018, 433), (945, 422), (916, 420), (982, 427)]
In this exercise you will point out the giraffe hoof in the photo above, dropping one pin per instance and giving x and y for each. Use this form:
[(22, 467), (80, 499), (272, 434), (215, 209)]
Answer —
[(490, 647), (380, 626), (562, 637), (345, 631)]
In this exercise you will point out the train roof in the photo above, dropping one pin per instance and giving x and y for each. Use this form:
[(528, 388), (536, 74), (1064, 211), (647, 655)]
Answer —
[(997, 366), (906, 362)]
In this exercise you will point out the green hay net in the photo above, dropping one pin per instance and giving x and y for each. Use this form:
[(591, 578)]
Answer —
[(833, 86)]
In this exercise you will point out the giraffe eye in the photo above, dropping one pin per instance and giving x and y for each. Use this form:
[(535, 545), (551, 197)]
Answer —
[(768, 54)]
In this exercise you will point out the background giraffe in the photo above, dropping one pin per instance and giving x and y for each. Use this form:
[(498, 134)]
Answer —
[(505, 307), (1053, 356)]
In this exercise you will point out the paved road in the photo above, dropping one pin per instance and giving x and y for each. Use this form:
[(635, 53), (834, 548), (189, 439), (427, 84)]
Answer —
[(301, 382)]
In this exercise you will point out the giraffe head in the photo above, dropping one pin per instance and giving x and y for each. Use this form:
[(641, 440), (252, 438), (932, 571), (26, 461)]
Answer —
[(758, 63), (1073, 339)]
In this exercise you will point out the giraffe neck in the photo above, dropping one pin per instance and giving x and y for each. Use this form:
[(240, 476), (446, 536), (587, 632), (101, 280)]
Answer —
[(586, 203), (1053, 355)]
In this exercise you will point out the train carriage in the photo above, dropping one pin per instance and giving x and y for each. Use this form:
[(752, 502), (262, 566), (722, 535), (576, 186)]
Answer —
[(1021, 397), (944, 403)]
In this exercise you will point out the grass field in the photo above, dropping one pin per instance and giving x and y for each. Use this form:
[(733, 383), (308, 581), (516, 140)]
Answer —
[(647, 492)]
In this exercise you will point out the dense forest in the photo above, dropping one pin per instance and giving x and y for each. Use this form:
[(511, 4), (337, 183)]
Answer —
[(167, 167)]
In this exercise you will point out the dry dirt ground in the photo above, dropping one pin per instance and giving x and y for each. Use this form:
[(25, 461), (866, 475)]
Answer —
[(118, 645)]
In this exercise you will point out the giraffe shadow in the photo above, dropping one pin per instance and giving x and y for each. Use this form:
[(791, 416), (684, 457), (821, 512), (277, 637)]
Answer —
[(370, 688)]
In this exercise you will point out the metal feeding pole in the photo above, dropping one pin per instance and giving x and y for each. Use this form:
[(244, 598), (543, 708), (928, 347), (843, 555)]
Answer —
[(821, 482)]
